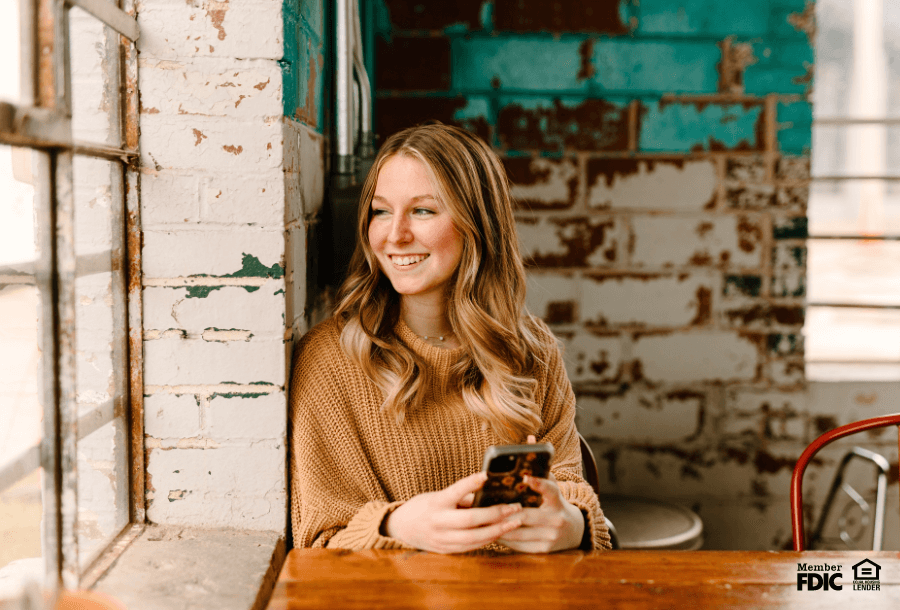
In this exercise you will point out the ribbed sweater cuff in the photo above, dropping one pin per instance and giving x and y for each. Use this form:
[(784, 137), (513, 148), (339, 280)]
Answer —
[(363, 530), (582, 497)]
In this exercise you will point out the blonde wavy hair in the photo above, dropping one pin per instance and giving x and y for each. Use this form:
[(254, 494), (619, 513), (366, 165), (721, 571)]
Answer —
[(486, 301)]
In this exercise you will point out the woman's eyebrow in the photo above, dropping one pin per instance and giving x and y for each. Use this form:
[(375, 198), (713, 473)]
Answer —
[(416, 198)]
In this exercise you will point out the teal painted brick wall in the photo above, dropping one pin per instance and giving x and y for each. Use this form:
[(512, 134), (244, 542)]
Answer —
[(645, 51), (303, 64)]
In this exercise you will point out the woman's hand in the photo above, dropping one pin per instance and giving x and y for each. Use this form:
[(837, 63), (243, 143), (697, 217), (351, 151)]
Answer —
[(436, 522), (554, 526)]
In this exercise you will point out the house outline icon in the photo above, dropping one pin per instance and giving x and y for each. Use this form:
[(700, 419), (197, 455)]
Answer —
[(863, 573)]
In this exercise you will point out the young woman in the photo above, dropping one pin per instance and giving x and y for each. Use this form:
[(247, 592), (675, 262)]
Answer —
[(429, 359)]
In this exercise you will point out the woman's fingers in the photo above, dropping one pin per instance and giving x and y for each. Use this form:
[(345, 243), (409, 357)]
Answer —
[(479, 517), (453, 494), (462, 540), (548, 489), (467, 501)]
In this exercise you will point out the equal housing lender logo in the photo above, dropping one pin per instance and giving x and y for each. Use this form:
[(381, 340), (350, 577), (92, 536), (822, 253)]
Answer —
[(824, 577)]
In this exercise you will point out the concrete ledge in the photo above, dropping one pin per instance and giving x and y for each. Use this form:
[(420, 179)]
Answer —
[(176, 568)]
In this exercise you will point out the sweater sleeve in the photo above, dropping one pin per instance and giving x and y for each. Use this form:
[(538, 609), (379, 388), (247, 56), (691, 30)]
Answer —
[(558, 428), (336, 498)]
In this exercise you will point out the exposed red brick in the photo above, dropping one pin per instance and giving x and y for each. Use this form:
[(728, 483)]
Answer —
[(768, 314), (612, 169), (592, 125), (586, 51), (560, 312), (522, 171), (581, 237), (600, 16), (704, 306), (421, 15), (768, 463), (749, 234), (396, 113), (413, 64)]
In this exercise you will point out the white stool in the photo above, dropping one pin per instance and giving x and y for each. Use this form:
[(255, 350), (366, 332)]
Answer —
[(643, 524)]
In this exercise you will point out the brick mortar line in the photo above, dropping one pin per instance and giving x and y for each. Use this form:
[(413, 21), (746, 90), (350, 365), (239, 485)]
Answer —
[(206, 226), (700, 213), (202, 441), (183, 282), (210, 389)]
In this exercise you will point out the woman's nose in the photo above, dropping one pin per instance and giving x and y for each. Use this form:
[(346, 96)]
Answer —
[(400, 230)]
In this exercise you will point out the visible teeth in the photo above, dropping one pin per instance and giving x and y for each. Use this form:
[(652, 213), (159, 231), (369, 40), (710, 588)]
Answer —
[(408, 260)]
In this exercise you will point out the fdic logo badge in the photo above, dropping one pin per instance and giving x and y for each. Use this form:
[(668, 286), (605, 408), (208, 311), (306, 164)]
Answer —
[(818, 576), (824, 577)]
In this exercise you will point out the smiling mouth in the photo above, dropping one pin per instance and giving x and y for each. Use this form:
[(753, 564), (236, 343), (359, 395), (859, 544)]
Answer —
[(407, 261)]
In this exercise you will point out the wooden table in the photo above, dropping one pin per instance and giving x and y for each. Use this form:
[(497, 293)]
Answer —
[(620, 579)]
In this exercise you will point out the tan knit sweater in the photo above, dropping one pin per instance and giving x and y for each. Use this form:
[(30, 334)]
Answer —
[(351, 465)]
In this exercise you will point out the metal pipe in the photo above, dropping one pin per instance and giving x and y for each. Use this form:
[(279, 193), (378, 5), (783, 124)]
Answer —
[(366, 141), (344, 161)]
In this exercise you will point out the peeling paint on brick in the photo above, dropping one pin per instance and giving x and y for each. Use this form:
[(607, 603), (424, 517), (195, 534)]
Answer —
[(806, 21), (592, 124), (542, 183), (742, 285), (670, 184), (216, 12), (586, 69), (735, 59), (600, 16)]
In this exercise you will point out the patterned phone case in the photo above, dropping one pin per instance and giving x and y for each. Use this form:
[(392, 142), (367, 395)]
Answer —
[(505, 466)]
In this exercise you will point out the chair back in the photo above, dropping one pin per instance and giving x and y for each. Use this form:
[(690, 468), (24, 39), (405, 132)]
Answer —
[(589, 467), (589, 464), (799, 534)]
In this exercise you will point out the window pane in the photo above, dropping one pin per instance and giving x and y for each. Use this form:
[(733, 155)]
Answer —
[(863, 272), (99, 319), (841, 334), (854, 207), (9, 51), (856, 150), (857, 52), (20, 410)]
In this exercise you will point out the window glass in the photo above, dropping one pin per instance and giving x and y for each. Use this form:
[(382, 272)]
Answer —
[(20, 360), (9, 51), (857, 74)]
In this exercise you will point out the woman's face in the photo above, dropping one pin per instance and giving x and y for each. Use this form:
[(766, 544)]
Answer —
[(413, 237)]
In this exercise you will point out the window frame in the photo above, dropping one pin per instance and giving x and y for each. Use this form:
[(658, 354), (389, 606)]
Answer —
[(42, 121)]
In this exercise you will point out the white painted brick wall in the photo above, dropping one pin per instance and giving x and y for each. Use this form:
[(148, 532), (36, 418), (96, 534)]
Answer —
[(172, 361), (688, 186), (215, 252), (171, 29), (663, 241), (669, 301), (228, 307), (640, 416), (221, 486), (589, 357), (696, 356)]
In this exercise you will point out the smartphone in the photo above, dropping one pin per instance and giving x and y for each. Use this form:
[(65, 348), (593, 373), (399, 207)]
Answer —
[(505, 466)]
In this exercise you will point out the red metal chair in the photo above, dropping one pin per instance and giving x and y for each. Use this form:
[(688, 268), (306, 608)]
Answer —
[(832, 435)]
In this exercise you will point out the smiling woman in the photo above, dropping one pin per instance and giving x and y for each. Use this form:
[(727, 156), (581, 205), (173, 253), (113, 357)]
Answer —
[(412, 234), (431, 358)]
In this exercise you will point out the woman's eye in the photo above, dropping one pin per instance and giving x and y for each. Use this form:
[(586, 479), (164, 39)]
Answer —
[(379, 212), (423, 211)]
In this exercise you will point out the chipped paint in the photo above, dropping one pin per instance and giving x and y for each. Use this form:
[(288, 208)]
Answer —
[(216, 12)]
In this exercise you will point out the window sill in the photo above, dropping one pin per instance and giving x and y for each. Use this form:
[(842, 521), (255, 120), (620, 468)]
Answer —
[(172, 568)]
